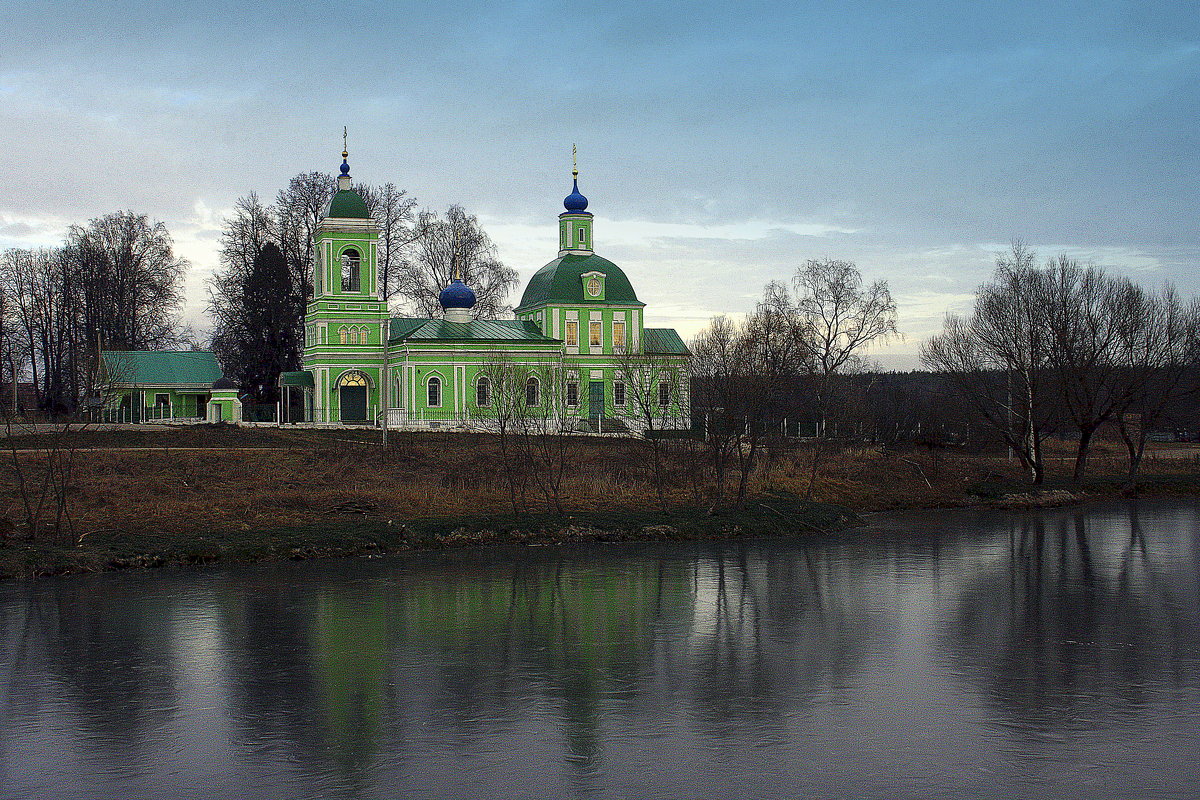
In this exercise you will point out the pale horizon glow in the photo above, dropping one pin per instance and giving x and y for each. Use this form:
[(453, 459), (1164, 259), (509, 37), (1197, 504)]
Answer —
[(719, 148)]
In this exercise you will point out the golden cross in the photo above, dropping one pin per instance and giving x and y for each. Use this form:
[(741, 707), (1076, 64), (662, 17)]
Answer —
[(574, 161)]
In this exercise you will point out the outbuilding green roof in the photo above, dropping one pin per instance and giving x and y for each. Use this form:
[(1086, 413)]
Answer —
[(561, 281), (663, 341), (161, 367), (348, 204), (480, 330)]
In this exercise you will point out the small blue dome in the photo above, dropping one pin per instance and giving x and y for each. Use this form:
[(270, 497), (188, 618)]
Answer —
[(575, 201), (457, 295), (345, 165)]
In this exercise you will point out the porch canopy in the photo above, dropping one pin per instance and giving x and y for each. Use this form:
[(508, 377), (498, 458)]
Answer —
[(303, 378)]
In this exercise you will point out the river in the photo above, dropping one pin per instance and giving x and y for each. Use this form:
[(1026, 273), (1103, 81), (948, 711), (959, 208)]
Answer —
[(973, 653)]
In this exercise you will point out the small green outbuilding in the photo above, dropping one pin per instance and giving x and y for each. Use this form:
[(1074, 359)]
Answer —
[(147, 385)]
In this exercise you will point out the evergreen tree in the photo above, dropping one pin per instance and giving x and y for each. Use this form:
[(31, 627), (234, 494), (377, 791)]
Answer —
[(260, 338)]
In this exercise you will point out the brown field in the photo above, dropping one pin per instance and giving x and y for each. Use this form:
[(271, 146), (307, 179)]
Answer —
[(174, 484)]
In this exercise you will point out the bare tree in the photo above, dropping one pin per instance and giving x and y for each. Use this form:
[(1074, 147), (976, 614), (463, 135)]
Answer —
[(999, 358), (838, 320), (298, 210), (641, 378), (721, 393), (392, 209), (504, 403), (1088, 314), (1158, 350), (547, 435), (454, 246), (114, 284)]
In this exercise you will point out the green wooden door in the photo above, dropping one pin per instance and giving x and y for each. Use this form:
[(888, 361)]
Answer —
[(595, 399), (354, 404)]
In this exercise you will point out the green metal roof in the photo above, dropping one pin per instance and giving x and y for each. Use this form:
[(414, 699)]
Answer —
[(663, 341), (478, 330), (348, 204), (401, 327), (301, 378), (561, 281), (161, 367)]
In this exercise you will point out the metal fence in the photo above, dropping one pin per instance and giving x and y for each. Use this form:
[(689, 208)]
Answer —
[(128, 414)]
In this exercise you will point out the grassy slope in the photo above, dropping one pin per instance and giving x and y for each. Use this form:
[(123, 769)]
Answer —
[(278, 494)]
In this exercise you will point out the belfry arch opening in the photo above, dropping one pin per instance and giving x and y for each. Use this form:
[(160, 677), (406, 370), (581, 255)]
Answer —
[(351, 270)]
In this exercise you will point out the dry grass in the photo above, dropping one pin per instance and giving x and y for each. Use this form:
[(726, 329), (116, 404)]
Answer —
[(323, 477)]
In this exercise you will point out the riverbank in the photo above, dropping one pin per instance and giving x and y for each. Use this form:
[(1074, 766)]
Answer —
[(207, 494), (111, 549)]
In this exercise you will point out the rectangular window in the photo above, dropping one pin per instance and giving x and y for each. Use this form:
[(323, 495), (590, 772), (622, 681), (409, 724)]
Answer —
[(664, 394), (582, 236), (618, 336), (572, 333), (162, 400), (572, 393), (594, 334), (619, 394)]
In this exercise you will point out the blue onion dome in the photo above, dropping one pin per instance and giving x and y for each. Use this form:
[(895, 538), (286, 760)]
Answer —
[(457, 295), (345, 163), (575, 202)]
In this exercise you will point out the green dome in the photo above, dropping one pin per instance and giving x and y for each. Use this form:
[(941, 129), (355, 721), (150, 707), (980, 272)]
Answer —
[(561, 281), (347, 204)]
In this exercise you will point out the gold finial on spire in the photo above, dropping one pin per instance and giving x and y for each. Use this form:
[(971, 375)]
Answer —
[(345, 151), (574, 161)]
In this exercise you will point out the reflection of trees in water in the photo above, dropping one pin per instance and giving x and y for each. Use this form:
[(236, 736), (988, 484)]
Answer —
[(267, 624), (359, 663), (770, 630), (105, 652), (1076, 623)]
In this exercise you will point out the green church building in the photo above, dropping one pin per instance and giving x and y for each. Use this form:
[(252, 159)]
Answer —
[(571, 352), (577, 356)]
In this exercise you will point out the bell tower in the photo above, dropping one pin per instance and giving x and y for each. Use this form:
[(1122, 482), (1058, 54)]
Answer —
[(346, 245), (346, 322)]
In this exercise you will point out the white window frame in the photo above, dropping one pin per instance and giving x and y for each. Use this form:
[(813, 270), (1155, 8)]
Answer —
[(429, 383)]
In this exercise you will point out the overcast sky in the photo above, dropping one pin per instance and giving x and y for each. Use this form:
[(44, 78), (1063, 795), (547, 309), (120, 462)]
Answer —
[(720, 144)]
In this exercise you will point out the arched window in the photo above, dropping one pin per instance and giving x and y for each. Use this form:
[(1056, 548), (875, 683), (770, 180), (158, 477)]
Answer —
[(434, 392), (533, 392), (483, 391), (351, 274), (362, 335), (343, 335), (353, 378)]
